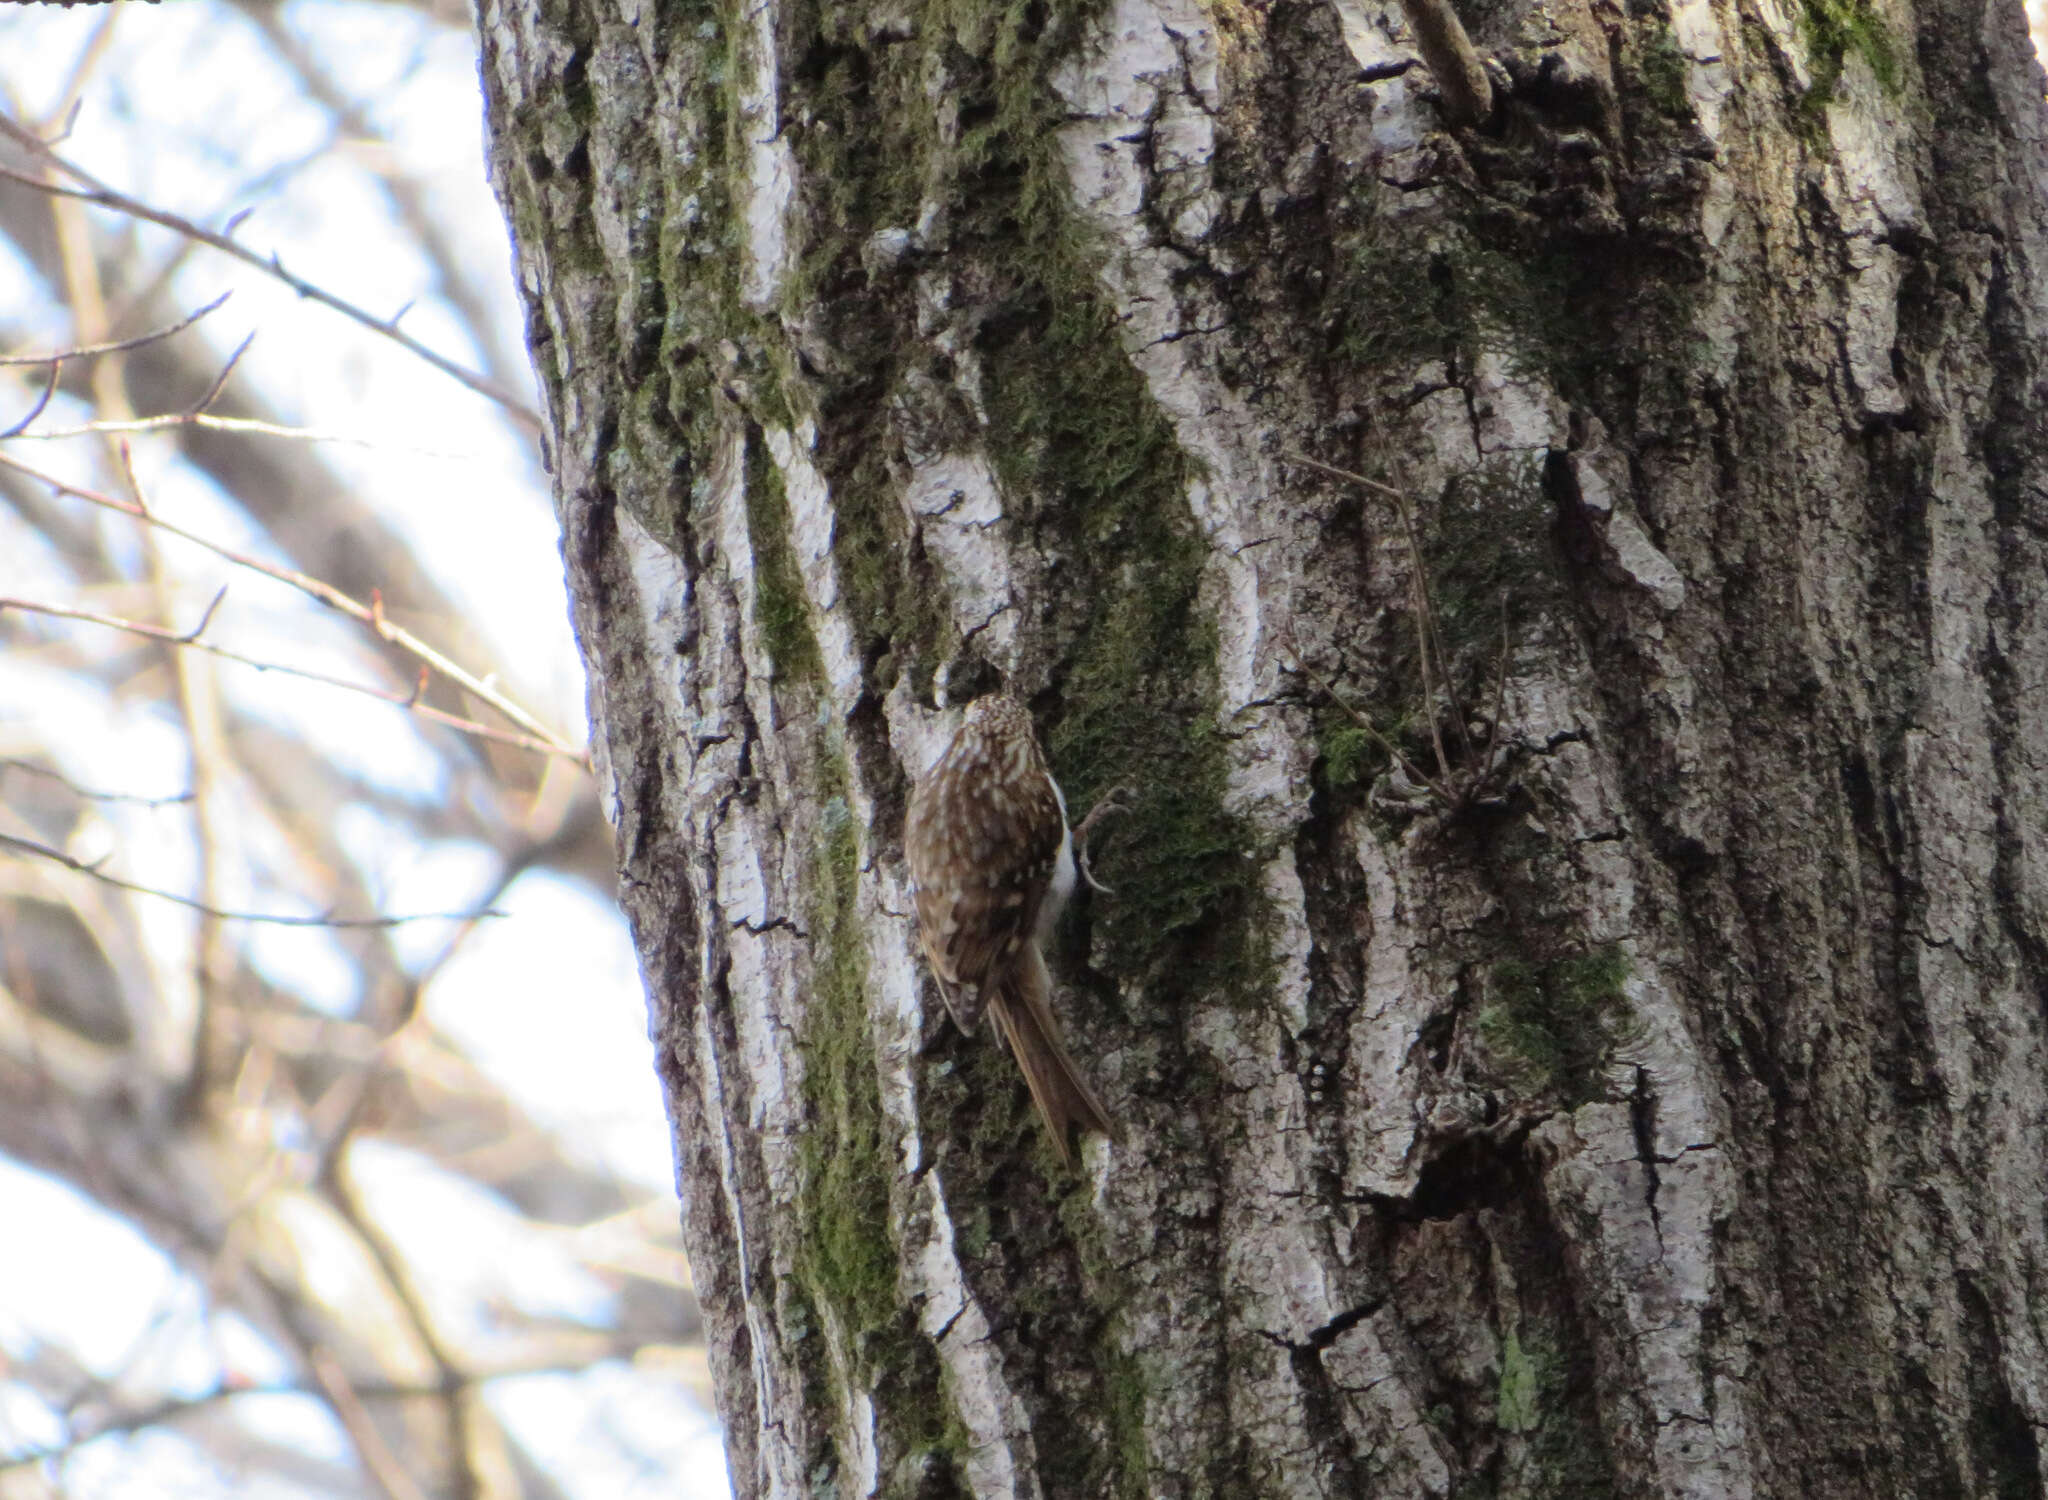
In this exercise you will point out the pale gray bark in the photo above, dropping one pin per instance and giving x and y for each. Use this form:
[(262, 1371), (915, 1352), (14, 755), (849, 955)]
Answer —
[(1669, 1122)]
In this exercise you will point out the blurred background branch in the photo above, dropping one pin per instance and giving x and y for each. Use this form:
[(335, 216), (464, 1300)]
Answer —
[(361, 1203)]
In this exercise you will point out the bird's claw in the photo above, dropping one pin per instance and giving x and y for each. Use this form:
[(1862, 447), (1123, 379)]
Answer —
[(1110, 802)]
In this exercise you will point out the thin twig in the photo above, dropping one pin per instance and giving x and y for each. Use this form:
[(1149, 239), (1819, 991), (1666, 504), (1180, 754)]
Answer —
[(213, 391), (170, 1409), (1364, 721), (49, 390), (29, 767), (247, 426), (89, 351), (274, 919), (355, 1420), (191, 637), (1436, 672), (191, 640), (410, 201), (1345, 474), (72, 95), (371, 615), (99, 194), (1500, 694), (325, 593), (1429, 646)]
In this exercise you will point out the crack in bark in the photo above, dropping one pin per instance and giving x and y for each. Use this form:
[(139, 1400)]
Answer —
[(1642, 1114)]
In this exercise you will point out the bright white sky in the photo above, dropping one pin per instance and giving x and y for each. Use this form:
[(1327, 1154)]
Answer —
[(190, 111)]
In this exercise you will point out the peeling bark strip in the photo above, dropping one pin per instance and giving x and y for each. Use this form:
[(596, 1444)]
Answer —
[(1674, 1128)]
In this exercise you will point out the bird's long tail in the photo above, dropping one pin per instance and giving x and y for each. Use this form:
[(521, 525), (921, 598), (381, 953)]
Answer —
[(1022, 1007)]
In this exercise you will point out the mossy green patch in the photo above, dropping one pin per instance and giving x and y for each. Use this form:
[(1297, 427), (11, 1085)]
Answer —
[(1072, 426), (1570, 308), (1397, 306), (1835, 31), (1124, 1387), (1547, 1404), (1662, 66), (1557, 1024), (849, 1254), (1348, 753), (876, 153), (1515, 1408), (1400, 303), (900, 607), (1490, 556), (781, 610)]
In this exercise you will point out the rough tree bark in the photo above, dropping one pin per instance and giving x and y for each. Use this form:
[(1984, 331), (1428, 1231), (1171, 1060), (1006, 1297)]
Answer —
[(1663, 1116)]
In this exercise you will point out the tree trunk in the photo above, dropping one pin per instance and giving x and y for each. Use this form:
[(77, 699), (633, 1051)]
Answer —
[(1641, 1095)]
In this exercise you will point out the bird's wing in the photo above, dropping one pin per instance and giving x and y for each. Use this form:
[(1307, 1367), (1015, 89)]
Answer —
[(1003, 840)]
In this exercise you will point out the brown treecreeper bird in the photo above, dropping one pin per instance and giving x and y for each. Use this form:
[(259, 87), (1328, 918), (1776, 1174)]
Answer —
[(991, 864)]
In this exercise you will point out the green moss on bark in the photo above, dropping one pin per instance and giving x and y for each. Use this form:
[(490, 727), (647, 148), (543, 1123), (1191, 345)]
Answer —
[(848, 1259), (1661, 65), (1072, 425), (1491, 556), (1557, 1024), (849, 1252), (1835, 31), (1089, 467), (781, 609), (1546, 1405), (949, 118), (1124, 1387)]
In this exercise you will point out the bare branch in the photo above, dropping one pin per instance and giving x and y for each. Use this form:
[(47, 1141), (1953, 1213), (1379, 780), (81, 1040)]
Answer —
[(407, 701), (168, 1411), (328, 595), (213, 391), (275, 919), (99, 194), (247, 426), (49, 390), (29, 767), (89, 351), (347, 1405), (411, 202)]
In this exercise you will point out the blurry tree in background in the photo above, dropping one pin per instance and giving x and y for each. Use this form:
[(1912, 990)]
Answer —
[(299, 1205)]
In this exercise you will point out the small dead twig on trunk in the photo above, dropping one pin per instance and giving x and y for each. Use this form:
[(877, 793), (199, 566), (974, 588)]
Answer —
[(1455, 785)]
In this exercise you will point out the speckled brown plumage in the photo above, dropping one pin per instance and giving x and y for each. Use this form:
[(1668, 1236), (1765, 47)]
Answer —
[(991, 863)]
